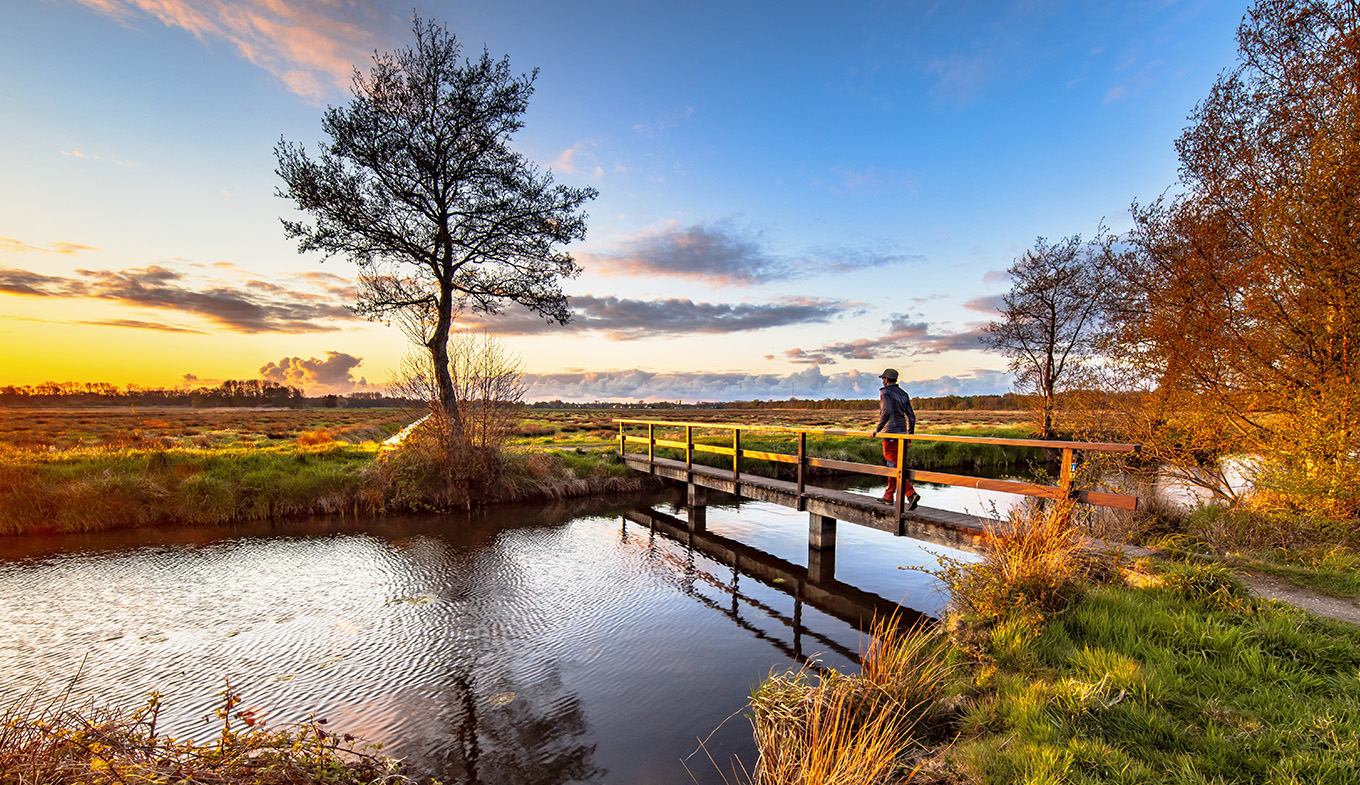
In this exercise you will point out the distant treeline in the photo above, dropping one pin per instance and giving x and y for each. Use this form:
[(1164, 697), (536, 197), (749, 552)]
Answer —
[(233, 392), (1006, 402)]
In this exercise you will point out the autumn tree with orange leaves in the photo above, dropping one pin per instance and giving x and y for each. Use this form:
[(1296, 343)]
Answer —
[(1239, 315)]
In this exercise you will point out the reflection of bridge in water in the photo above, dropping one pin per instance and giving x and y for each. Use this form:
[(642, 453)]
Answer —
[(850, 604)]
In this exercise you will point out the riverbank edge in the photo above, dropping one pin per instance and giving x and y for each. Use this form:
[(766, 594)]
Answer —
[(105, 490)]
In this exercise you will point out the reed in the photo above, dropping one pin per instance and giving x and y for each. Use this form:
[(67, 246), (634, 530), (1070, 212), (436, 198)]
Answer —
[(854, 729)]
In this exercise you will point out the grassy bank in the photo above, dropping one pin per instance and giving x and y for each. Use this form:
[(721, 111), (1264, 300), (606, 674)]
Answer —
[(95, 489), (1056, 666)]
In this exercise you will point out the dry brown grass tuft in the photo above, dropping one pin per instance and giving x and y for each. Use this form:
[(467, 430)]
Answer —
[(313, 438), (855, 730), (55, 744)]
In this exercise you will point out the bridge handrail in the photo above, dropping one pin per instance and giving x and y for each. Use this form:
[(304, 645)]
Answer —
[(1064, 489), (920, 437)]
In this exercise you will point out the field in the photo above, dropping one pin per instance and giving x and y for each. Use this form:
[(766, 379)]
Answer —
[(201, 429), (169, 427)]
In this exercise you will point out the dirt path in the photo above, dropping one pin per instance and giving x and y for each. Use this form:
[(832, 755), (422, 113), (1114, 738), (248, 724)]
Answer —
[(1272, 588)]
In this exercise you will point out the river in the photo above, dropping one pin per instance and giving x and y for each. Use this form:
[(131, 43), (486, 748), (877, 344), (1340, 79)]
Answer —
[(522, 645)]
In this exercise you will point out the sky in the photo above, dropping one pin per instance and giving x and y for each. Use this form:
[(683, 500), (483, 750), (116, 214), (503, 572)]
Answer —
[(793, 196)]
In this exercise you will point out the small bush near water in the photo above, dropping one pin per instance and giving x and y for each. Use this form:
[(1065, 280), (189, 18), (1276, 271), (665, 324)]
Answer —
[(60, 745)]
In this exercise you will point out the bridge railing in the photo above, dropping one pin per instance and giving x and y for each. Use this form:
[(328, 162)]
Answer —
[(1065, 488)]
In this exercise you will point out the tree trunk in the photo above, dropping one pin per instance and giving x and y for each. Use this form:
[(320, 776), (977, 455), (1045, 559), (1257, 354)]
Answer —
[(439, 354)]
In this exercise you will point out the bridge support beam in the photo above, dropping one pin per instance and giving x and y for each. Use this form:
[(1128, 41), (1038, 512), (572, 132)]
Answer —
[(821, 547), (696, 502), (821, 532)]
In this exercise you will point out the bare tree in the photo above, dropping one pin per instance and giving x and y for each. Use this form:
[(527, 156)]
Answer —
[(419, 187), (1050, 319)]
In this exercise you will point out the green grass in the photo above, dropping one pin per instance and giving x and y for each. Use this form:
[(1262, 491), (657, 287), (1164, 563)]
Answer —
[(77, 491), (1185, 682)]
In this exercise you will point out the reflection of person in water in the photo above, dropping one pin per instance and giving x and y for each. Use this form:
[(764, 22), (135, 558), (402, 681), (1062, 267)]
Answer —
[(895, 415)]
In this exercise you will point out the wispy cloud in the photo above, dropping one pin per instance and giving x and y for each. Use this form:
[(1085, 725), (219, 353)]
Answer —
[(990, 305), (644, 385), (578, 158), (960, 76), (334, 374), (11, 245), (309, 45), (721, 255), (627, 320), (140, 325), (257, 306), (665, 121), (101, 158)]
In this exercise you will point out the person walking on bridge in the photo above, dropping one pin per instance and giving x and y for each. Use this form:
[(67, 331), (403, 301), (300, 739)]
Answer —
[(895, 415)]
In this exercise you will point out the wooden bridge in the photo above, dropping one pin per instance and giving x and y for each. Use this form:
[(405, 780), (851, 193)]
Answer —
[(826, 506)]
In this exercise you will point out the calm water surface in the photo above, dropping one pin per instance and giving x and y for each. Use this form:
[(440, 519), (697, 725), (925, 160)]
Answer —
[(519, 646)]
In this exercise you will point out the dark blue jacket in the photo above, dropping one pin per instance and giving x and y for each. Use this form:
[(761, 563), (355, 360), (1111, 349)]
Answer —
[(895, 414)]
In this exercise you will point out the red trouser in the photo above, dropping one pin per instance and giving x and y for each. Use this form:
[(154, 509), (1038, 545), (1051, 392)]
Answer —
[(890, 457)]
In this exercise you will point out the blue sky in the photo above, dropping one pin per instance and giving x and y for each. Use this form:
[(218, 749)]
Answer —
[(792, 195)]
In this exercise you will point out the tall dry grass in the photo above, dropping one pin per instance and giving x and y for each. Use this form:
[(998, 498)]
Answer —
[(868, 729)]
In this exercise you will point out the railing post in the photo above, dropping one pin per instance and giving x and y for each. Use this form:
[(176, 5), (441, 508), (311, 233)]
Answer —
[(651, 446), (802, 470), (623, 443), (689, 453), (1065, 481), (736, 458)]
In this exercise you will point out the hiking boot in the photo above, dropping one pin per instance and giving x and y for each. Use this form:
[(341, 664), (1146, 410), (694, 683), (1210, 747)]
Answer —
[(912, 501)]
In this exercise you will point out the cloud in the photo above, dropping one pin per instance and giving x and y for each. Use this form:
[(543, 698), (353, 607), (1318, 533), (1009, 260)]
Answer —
[(1115, 93), (715, 253), (567, 160), (871, 181), (990, 305), (138, 325), (309, 45), (903, 338), (993, 277), (643, 385), (626, 320), (333, 374), (60, 247), (665, 122), (257, 306), (960, 76), (720, 254)]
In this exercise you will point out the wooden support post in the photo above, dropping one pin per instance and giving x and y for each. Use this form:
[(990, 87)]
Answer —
[(1065, 482), (651, 446), (821, 532), (802, 470), (623, 443), (821, 565), (697, 503)]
